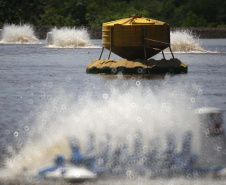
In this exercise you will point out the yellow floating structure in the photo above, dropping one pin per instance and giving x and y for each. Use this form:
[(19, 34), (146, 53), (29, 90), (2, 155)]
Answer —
[(136, 39), (129, 37), (137, 66)]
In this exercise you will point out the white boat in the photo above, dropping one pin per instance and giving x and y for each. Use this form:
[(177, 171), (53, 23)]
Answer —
[(70, 173)]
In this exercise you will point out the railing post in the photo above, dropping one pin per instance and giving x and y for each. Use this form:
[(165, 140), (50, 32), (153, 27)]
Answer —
[(144, 44), (171, 52), (101, 53), (112, 28), (163, 55)]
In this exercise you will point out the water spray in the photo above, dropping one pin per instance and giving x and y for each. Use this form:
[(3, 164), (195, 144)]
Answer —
[(18, 34), (0, 34), (68, 38)]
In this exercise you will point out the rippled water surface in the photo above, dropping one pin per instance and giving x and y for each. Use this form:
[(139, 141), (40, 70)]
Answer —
[(46, 96)]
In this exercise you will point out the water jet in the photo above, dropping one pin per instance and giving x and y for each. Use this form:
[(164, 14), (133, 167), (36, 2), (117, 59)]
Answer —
[(18, 34), (0, 34), (49, 38), (68, 38), (168, 162)]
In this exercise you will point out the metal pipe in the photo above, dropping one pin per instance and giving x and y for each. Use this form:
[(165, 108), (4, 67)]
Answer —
[(112, 28), (157, 41), (171, 52), (101, 53), (145, 54), (109, 54), (163, 55)]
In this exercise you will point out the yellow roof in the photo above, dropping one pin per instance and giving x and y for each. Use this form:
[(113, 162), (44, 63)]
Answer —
[(134, 20)]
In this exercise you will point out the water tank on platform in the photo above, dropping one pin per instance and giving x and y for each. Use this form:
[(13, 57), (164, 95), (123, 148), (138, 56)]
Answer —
[(136, 39), (130, 36)]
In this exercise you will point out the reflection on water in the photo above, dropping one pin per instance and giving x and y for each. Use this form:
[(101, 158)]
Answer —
[(134, 77)]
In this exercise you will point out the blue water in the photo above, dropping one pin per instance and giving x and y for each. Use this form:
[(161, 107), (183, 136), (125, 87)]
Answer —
[(32, 75)]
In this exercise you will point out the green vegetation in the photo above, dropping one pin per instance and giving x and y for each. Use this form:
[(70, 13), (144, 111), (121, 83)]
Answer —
[(181, 13)]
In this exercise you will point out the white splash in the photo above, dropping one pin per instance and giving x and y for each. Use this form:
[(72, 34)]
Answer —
[(185, 41), (18, 34), (69, 38), (153, 111)]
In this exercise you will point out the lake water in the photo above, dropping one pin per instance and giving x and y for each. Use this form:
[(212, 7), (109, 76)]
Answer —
[(47, 97)]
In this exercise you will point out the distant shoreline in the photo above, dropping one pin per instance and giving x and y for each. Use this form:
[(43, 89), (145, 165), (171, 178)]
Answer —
[(96, 32)]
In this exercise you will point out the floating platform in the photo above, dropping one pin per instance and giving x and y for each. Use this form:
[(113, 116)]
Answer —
[(136, 39), (138, 66)]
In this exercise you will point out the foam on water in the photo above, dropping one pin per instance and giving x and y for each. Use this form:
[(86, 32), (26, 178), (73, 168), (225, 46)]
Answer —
[(18, 34), (185, 41), (70, 38), (151, 111)]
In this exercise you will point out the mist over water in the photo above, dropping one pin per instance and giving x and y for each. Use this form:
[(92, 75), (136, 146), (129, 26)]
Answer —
[(18, 34), (121, 113)]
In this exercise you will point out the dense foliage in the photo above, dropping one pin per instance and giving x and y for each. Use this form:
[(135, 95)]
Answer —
[(185, 13)]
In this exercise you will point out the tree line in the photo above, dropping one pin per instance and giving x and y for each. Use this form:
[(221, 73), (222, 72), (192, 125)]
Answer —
[(178, 13)]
